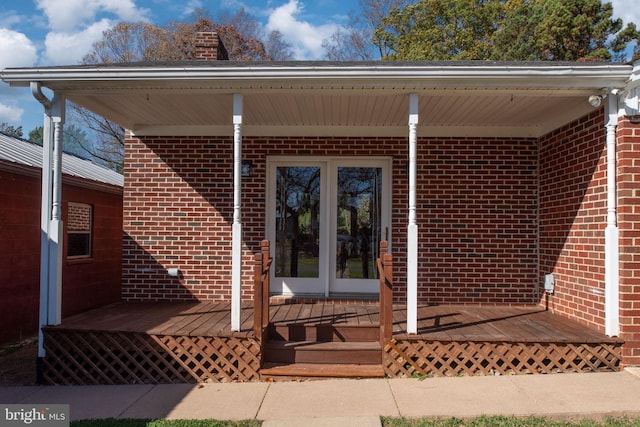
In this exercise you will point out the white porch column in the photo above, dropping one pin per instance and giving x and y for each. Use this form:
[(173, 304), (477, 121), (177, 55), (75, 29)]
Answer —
[(412, 228), (236, 260), (56, 229), (612, 251), (45, 215), (51, 225)]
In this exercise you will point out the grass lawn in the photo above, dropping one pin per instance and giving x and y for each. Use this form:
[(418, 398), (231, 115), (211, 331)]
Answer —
[(386, 422), (506, 422)]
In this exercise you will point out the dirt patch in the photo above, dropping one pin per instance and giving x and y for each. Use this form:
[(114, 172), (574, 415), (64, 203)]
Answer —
[(18, 363)]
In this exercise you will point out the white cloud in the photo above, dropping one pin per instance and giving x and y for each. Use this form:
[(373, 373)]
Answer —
[(305, 38), (10, 114), (68, 15), (628, 10), (191, 7), (69, 48), (16, 50), (9, 19)]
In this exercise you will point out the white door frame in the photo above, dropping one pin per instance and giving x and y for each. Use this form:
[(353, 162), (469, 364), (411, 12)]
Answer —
[(350, 286), (327, 282)]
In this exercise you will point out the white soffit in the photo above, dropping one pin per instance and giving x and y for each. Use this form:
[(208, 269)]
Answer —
[(325, 99)]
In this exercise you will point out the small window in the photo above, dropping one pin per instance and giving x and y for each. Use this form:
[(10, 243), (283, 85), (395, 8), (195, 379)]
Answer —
[(79, 229)]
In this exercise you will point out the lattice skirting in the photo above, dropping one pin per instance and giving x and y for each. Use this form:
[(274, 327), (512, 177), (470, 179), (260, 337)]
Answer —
[(440, 358), (84, 357)]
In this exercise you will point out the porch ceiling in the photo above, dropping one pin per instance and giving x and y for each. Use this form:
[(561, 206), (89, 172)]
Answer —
[(326, 99), (452, 112)]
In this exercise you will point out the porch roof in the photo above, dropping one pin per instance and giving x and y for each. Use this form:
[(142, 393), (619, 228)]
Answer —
[(466, 98)]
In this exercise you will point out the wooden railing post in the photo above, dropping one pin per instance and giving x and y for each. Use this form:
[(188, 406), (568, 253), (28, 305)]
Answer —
[(266, 283), (385, 271), (262, 263), (257, 295)]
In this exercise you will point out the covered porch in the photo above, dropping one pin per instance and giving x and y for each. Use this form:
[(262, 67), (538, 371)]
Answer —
[(500, 174)]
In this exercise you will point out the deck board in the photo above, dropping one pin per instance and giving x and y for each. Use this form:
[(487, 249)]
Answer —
[(434, 322)]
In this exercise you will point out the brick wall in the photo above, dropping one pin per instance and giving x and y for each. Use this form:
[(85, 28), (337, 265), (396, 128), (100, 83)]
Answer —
[(477, 217), (86, 283), (95, 281), (476, 212), (20, 248), (629, 225), (573, 218)]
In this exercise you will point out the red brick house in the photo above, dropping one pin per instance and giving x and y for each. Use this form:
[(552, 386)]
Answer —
[(490, 181), (92, 209)]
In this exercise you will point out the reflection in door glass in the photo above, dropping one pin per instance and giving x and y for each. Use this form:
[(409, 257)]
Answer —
[(358, 222), (297, 221)]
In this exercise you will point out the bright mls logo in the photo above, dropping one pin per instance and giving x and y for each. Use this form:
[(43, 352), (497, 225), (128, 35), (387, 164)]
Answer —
[(34, 415)]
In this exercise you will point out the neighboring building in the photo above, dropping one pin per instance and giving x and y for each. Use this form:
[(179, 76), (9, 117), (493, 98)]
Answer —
[(92, 214), (485, 177)]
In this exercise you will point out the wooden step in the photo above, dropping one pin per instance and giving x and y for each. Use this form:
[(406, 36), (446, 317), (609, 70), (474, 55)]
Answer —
[(291, 371), (324, 332), (286, 352)]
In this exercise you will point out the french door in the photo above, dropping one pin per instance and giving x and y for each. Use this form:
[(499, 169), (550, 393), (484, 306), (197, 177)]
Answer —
[(325, 219)]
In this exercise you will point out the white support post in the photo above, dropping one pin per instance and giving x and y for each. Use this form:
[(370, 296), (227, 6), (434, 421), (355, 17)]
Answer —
[(236, 260), (612, 251), (45, 216), (51, 226), (412, 228), (56, 228)]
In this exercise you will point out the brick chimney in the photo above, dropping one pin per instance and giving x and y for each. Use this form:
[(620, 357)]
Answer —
[(209, 47)]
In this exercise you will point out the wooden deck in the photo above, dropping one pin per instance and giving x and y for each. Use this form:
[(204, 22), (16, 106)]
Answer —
[(435, 322), (187, 342)]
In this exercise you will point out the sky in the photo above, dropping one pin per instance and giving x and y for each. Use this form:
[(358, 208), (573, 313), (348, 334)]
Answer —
[(60, 32)]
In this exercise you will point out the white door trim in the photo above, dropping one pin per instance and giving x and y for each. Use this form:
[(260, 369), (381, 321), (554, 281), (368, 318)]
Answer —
[(326, 283)]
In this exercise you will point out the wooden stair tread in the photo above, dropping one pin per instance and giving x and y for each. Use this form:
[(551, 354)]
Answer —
[(324, 332), (335, 325), (324, 345), (336, 370)]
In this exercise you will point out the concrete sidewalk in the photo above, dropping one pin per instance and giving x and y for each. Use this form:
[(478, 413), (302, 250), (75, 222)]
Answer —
[(352, 402)]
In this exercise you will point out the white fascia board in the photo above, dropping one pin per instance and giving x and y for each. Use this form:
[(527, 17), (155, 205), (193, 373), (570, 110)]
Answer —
[(606, 75), (634, 78)]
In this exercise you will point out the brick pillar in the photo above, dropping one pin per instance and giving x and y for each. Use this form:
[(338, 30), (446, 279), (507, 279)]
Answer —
[(629, 225), (209, 47)]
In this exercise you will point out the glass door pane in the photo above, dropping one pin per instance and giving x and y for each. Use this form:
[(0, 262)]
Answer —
[(358, 222), (297, 215)]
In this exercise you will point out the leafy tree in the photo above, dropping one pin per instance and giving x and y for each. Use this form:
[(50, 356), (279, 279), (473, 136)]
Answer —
[(37, 134), (131, 42), (441, 29), (11, 130), (630, 33), (534, 30), (562, 30)]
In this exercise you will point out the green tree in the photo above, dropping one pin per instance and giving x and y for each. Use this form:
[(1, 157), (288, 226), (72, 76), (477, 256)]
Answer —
[(522, 30), (562, 30), (441, 29), (37, 134), (11, 130)]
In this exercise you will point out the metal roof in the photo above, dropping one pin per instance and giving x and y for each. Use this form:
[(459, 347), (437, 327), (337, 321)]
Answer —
[(27, 153)]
